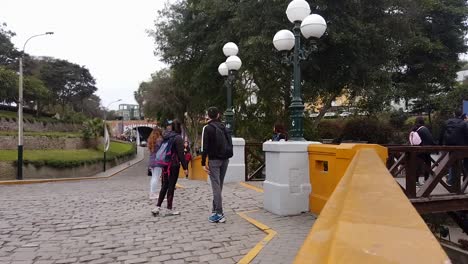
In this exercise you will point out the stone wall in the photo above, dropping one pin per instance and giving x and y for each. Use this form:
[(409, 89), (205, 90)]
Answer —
[(8, 170), (12, 125), (45, 142)]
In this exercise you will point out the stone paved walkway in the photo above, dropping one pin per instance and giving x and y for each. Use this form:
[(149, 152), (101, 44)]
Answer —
[(109, 221)]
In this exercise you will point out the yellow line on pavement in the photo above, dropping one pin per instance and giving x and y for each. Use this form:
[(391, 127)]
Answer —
[(254, 251), (255, 188), (65, 179)]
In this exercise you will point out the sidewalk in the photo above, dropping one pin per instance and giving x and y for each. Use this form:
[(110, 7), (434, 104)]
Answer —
[(109, 221)]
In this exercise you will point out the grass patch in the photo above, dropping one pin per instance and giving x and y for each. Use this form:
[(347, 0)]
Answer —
[(45, 134), (69, 158), (13, 116)]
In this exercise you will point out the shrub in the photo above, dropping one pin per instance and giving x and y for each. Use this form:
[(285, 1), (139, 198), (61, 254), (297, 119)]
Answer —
[(397, 119), (330, 129), (92, 128), (368, 129)]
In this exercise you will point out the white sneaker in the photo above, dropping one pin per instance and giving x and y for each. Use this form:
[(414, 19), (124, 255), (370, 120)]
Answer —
[(156, 211)]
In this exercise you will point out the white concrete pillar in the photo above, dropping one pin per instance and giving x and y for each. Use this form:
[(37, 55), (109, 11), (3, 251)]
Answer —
[(287, 185), (236, 168)]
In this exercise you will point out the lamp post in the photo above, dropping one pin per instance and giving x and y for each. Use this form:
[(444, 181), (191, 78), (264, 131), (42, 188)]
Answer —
[(311, 25), (228, 69), (19, 175), (106, 134)]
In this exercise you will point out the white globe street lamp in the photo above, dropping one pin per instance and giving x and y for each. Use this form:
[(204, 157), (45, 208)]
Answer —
[(233, 63), (230, 49), (314, 25), (228, 69), (223, 69), (284, 40), (297, 10)]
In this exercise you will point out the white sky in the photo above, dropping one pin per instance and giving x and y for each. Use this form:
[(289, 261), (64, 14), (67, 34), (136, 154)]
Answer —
[(106, 36)]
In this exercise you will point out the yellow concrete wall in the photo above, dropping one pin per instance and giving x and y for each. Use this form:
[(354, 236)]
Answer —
[(338, 157), (368, 219), (182, 173), (196, 171)]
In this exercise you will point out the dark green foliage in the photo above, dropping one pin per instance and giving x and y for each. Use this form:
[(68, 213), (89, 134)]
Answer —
[(371, 130), (330, 129), (398, 118), (373, 50), (92, 128)]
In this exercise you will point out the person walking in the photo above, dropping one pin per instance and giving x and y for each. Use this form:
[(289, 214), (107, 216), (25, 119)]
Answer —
[(154, 142), (422, 136), (454, 133), (217, 146), (170, 173), (187, 154)]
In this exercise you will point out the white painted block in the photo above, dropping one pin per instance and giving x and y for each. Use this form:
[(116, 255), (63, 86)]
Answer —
[(287, 184), (236, 168)]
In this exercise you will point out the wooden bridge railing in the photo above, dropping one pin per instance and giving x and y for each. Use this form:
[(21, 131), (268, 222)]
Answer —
[(434, 162)]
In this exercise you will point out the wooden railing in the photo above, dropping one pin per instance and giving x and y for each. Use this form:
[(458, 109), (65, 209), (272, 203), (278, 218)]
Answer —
[(254, 161), (409, 163)]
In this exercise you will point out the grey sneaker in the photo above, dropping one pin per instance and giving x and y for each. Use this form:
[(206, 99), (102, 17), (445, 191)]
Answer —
[(172, 212)]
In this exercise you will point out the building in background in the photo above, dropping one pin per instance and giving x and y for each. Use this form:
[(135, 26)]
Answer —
[(129, 112)]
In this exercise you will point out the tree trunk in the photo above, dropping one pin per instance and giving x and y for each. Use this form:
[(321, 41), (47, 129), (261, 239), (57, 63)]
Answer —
[(327, 105)]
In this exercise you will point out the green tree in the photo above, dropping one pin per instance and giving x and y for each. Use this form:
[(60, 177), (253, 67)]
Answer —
[(8, 52), (68, 82), (8, 86), (374, 51), (36, 94)]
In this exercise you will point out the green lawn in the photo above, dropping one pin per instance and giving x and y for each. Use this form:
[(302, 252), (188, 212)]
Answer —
[(46, 134), (68, 158)]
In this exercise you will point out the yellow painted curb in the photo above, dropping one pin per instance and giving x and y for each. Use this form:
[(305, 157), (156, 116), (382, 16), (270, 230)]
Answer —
[(65, 179), (254, 251), (246, 185)]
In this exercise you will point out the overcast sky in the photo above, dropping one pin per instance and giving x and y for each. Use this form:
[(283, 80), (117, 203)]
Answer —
[(106, 36)]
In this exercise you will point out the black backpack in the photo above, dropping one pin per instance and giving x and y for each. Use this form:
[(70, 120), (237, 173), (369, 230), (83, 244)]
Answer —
[(224, 149), (455, 132)]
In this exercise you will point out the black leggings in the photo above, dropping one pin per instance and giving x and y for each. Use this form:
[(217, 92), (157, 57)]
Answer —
[(168, 186)]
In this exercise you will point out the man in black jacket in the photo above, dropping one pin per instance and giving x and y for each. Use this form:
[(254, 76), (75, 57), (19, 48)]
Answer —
[(454, 133), (216, 144)]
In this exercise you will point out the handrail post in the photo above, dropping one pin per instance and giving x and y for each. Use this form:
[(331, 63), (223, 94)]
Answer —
[(411, 174)]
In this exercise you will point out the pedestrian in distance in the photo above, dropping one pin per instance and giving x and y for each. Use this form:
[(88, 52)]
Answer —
[(187, 154), (420, 135), (279, 133), (217, 146), (154, 142), (170, 157), (454, 133)]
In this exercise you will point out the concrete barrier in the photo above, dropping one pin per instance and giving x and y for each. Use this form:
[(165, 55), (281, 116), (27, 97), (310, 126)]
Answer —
[(368, 219), (327, 165)]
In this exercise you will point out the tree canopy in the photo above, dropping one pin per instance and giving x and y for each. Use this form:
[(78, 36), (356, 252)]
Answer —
[(374, 51), (48, 82)]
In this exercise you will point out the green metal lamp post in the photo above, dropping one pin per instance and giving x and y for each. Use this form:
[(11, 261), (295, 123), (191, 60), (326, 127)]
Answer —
[(229, 69), (311, 25)]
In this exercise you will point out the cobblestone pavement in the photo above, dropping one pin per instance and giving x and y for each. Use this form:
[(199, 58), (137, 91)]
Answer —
[(109, 221)]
